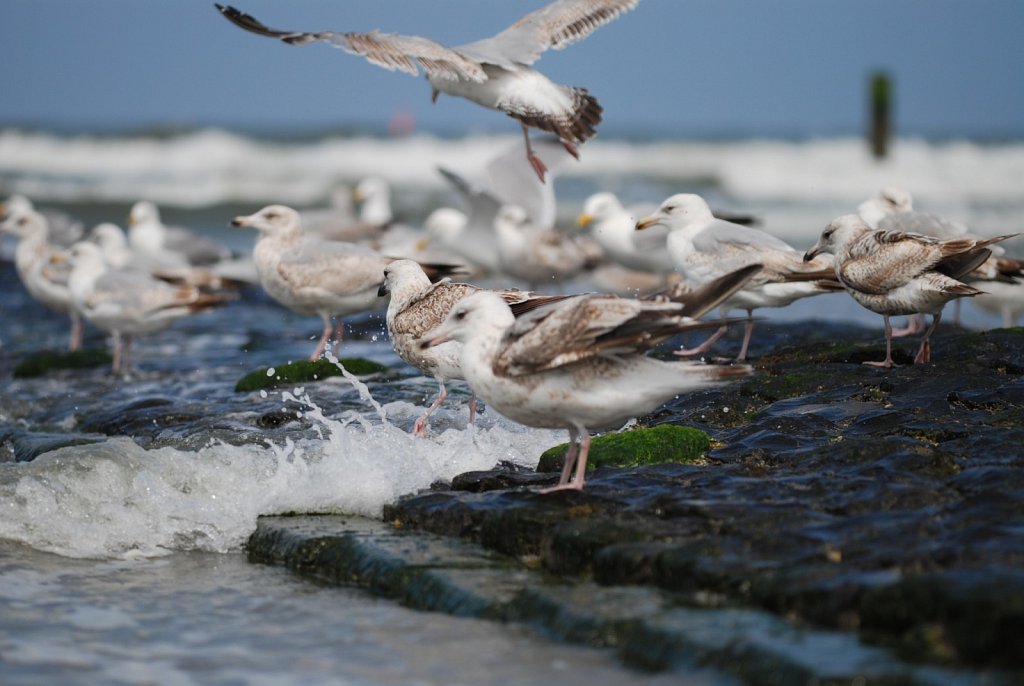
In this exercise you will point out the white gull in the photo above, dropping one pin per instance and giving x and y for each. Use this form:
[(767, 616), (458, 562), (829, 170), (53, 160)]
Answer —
[(128, 302), (494, 72), (704, 248)]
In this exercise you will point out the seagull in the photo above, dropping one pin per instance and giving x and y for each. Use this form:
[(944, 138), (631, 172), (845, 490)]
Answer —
[(418, 306), (533, 255), (63, 229), (45, 282), (169, 246), (494, 72), (576, 364), (128, 302), (312, 276), (893, 273), (893, 210), (505, 179), (614, 228), (704, 248)]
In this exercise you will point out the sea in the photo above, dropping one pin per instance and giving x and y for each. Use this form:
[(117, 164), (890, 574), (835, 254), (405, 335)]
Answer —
[(122, 550)]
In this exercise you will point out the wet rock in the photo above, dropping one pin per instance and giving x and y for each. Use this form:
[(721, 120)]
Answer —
[(849, 497), (48, 361), (305, 371), (640, 446)]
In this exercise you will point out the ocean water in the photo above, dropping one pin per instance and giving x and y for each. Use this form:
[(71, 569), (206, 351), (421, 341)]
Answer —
[(120, 557)]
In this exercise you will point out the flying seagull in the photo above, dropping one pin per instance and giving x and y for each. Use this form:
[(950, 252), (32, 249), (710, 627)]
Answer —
[(494, 72)]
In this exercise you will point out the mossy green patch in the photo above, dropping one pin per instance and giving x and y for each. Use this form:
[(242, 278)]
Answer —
[(642, 446), (305, 371), (46, 361)]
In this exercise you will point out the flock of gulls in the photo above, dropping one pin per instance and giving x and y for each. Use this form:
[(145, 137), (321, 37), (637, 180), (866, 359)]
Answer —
[(576, 362)]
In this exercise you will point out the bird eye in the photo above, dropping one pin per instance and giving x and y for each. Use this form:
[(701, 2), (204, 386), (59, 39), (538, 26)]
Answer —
[(459, 315), (828, 233), (270, 215), (669, 209)]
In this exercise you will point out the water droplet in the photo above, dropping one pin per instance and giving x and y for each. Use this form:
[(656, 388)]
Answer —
[(263, 394), (271, 371)]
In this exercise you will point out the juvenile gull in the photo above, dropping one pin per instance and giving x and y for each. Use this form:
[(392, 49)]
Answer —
[(45, 282), (704, 248), (577, 364), (893, 273), (494, 72), (893, 210), (418, 306), (128, 302), (63, 230), (311, 276)]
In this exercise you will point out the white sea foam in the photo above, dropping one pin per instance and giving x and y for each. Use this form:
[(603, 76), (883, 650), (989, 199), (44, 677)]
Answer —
[(117, 500), (215, 166)]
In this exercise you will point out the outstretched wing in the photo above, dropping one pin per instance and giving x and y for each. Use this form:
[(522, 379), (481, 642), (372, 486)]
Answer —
[(554, 26), (392, 51)]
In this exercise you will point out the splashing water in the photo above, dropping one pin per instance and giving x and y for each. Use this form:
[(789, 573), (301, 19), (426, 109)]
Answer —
[(115, 499)]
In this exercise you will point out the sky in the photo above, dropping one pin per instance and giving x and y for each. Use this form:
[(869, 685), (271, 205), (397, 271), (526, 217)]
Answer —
[(675, 67)]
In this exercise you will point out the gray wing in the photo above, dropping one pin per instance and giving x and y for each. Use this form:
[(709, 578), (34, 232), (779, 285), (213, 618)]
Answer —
[(721, 233), (555, 26), (391, 51), (923, 223), (340, 268)]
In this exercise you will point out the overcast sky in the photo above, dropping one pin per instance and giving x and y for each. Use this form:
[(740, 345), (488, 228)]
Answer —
[(680, 67)]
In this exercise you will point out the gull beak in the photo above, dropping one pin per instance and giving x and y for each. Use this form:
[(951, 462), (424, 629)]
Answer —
[(648, 222), (812, 253), (383, 290), (442, 334), (422, 244), (584, 220), (241, 221), (58, 258), (433, 95)]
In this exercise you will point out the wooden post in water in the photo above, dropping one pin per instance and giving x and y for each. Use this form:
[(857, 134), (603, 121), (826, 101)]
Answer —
[(880, 124)]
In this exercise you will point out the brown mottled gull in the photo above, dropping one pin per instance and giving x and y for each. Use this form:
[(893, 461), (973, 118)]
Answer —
[(418, 306), (704, 248), (494, 72), (578, 363), (893, 273)]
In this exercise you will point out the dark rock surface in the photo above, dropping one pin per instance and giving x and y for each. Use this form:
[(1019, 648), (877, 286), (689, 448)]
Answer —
[(886, 503)]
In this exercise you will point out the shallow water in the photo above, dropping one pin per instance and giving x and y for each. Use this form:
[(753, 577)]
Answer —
[(203, 618)]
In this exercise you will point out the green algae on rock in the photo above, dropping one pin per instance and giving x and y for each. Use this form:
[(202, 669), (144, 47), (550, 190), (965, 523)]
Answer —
[(641, 446), (305, 371), (47, 361)]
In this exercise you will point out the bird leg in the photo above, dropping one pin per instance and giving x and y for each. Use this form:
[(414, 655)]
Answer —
[(472, 408), (887, 363), (579, 447), (116, 353), (76, 332), (324, 337), (924, 353), (570, 148), (420, 427), (531, 156), (336, 336), (703, 347), (748, 331), (915, 325)]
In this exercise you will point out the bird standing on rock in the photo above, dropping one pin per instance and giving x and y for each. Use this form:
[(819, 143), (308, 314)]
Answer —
[(494, 72), (894, 272)]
